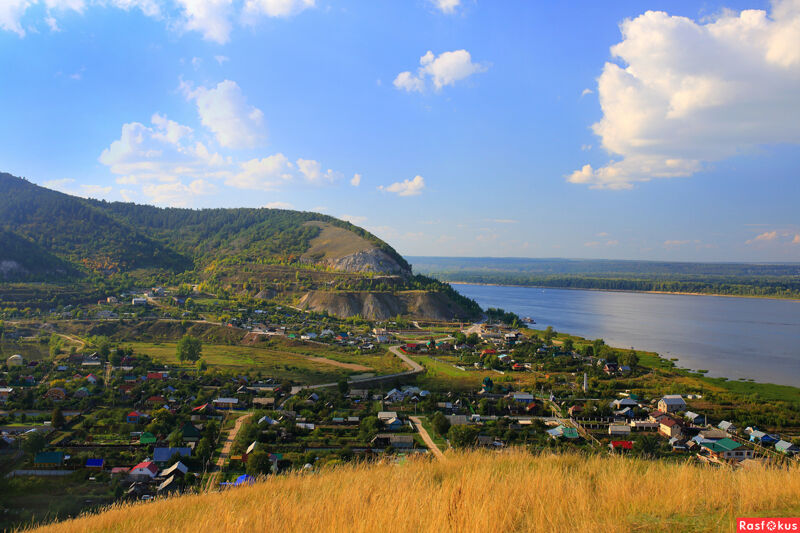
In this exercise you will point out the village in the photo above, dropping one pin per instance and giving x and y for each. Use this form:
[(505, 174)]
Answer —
[(125, 425)]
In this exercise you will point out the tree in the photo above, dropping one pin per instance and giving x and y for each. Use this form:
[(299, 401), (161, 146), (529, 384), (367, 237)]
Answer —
[(568, 345), (549, 333), (343, 386), (647, 446), (258, 463), (369, 427), (58, 418), (189, 348), (473, 339), (34, 443), (175, 439), (440, 423), (463, 436)]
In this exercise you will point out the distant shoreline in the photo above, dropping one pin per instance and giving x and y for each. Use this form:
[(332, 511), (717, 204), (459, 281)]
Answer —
[(624, 290)]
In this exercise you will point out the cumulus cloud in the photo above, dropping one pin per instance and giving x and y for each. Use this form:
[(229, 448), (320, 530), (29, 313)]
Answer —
[(176, 194), (686, 93), (162, 152), (763, 237), (407, 187), (264, 174), (312, 171), (279, 205), (224, 110), (214, 19), (353, 219), (355, 181), (446, 6), (277, 8), (445, 69), (781, 237)]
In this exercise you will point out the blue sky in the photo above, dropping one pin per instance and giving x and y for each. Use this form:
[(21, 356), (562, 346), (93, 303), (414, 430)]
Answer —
[(639, 130)]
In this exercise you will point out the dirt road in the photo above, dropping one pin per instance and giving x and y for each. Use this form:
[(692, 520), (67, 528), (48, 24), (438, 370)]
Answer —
[(427, 438)]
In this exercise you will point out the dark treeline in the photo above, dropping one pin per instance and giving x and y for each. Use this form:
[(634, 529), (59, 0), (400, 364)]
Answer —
[(788, 287)]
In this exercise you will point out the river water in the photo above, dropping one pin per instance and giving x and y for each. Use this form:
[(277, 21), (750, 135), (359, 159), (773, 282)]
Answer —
[(732, 337)]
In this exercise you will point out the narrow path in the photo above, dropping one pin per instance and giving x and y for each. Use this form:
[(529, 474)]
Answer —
[(427, 438), (413, 368), (226, 450)]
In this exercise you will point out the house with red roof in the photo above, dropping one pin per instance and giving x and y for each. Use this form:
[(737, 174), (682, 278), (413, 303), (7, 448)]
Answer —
[(91, 378), (669, 427), (156, 401), (621, 445), (144, 470), (134, 417), (156, 375)]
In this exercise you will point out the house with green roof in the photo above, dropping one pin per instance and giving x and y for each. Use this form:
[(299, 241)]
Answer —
[(48, 459), (727, 450), (147, 438), (190, 433)]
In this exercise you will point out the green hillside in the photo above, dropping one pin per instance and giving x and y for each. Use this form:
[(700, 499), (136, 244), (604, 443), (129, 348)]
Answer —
[(86, 249), (98, 236)]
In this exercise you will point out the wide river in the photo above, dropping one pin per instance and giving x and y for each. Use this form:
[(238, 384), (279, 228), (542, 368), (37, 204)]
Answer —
[(732, 337)]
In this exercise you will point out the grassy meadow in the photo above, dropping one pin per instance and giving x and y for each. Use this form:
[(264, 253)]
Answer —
[(475, 491), (310, 364)]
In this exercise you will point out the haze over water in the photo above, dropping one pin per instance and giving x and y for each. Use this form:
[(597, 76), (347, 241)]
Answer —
[(732, 337)]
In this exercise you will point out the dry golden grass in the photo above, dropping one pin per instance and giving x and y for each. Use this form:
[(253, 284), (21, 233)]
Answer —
[(477, 491)]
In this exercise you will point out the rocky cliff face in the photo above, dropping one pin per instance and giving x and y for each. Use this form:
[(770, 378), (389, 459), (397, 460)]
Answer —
[(384, 305), (373, 260)]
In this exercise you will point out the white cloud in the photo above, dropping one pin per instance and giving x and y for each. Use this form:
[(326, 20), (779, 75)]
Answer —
[(312, 170), (264, 174), (411, 187), (61, 185), (767, 236), (446, 6), (209, 17), (212, 18), (586, 92), (356, 180), (353, 219), (409, 82), (673, 243), (279, 205), (445, 69), (221, 59), (277, 8), (176, 194), (689, 93), (224, 110), (52, 23), (11, 12), (161, 152)]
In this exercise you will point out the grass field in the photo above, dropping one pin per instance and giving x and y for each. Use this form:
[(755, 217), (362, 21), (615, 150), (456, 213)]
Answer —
[(477, 491), (302, 364)]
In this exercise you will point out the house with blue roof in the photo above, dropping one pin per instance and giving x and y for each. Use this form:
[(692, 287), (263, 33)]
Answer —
[(163, 455), (96, 464)]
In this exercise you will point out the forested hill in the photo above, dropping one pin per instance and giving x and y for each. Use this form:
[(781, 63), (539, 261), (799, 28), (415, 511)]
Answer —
[(51, 235), (741, 279)]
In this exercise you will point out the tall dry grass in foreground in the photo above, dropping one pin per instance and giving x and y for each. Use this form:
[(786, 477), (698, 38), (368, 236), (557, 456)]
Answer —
[(475, 491)]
